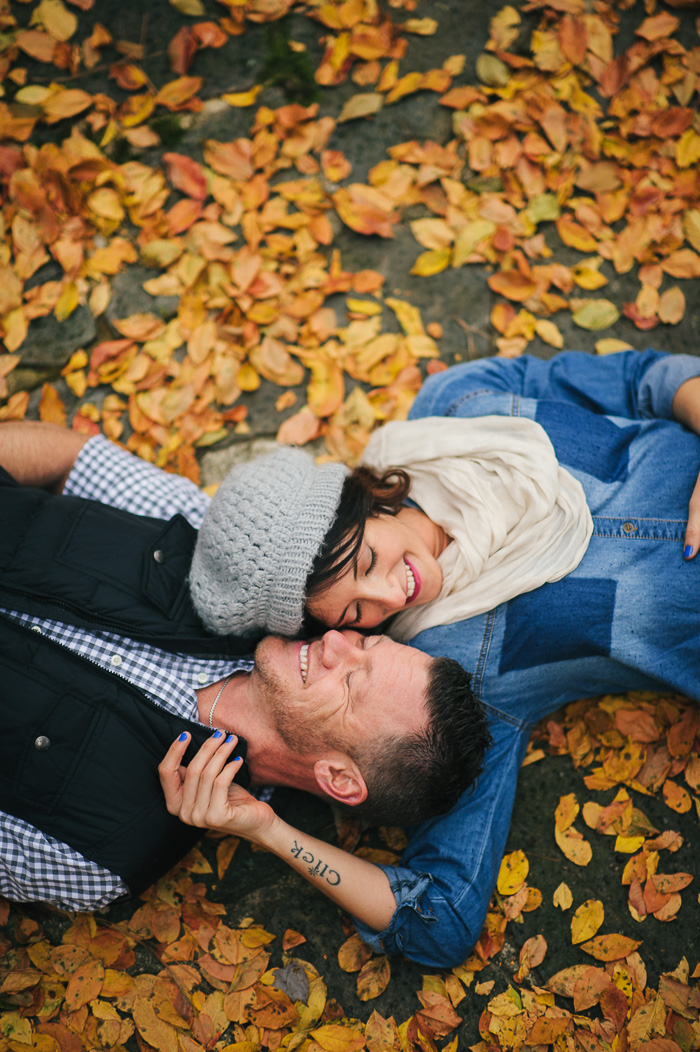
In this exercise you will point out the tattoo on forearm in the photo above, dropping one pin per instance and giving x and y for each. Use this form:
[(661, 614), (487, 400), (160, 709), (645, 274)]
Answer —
[(316, 867)]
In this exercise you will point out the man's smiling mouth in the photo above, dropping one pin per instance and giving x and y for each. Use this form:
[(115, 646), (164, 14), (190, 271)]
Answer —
[(304, 661)]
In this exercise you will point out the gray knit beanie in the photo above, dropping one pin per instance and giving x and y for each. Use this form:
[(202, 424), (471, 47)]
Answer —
[(258, 541)]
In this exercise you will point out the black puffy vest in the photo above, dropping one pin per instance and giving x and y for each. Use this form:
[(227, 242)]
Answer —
[(95, 784)]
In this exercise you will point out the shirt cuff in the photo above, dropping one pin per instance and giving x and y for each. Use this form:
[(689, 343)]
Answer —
[(661, 381), (408, 887)]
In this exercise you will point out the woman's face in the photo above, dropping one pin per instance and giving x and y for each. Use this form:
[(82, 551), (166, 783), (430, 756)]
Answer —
[(396, 567)]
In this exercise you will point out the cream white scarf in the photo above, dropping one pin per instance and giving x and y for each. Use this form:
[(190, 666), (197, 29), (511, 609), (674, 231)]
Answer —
[(517, 518)]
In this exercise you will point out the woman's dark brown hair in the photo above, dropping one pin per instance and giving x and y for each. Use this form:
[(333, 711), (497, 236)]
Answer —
[(365, 494)]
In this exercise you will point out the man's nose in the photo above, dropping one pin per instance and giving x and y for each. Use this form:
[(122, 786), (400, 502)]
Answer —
[(335, 647)]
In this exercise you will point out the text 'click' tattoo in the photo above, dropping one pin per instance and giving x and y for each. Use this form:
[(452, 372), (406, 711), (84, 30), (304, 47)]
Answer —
[(317, 868)]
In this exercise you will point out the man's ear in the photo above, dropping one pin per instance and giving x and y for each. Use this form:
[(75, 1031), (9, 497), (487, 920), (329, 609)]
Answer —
[(340, 778)]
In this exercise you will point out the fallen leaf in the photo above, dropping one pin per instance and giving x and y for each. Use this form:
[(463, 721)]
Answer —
[(586, 920)]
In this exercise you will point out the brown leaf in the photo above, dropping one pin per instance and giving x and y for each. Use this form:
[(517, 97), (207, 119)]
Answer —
[(373, 978)]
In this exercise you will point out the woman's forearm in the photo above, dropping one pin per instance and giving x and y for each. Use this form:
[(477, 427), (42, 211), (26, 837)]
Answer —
[(355, 885)]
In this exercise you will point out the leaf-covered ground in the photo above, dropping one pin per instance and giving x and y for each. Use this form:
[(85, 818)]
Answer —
[(239, 217)]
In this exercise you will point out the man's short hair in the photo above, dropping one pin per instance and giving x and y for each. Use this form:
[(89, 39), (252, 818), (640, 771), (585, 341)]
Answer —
[(424, 774)]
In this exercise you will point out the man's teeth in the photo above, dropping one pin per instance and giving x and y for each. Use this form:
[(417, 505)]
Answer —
[(410, 582), (304, 661)]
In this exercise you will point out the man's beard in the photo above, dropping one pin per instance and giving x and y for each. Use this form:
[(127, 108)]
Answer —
[(296, 724)]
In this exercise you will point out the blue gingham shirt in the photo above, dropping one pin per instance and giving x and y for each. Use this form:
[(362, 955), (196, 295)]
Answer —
[(34, 866)]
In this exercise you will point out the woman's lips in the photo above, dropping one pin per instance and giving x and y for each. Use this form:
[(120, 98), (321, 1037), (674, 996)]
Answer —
[(416, 581)]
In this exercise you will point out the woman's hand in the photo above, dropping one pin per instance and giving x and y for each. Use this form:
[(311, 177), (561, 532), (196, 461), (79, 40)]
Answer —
[(204, 794)]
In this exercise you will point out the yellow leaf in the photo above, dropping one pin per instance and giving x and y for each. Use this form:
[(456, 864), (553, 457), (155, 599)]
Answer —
[(421, 345), (671, 306), (361, 105), (691, 227), (408, 316), (627, 845), (610, 345), (547, 331), (332, 1037), (573, 845), (432, 233), (562, 897), (469, 238), (365, 307), (57, 19), (373, 978), (688, 149), (610, 947), (99, 298), (247, 378), (106, 203), (242, 99), (195, 8), (587, 275), (511, 876), (67, 301), (424, 27), (65, 104), (595, 314), (566, 812), (431, 262), (586, 920), (490, 70)]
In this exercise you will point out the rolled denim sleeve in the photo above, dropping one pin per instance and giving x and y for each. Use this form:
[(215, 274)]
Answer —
[(449, 870), (632, 384)]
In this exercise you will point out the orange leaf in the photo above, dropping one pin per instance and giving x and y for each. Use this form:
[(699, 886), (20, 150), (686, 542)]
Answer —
[(84, 985), (230, 158), (658, 26), (353, 954), (51, 408), (177, 93), (366, 210), (512, 284), (676, 797), (186, 175), (300, 428)]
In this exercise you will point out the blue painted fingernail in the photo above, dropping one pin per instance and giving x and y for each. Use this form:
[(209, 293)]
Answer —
[(687, 551), (217, 734), (231, 738), (236, 759), (183, 737)]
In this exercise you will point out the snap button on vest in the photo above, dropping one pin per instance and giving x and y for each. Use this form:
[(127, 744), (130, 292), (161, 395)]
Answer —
[(42, 743), (629, 527), (159, 556)]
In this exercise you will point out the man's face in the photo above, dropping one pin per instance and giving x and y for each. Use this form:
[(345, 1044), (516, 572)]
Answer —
[(341, 690)]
